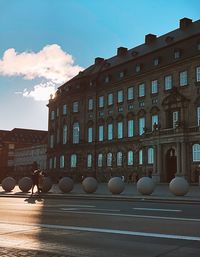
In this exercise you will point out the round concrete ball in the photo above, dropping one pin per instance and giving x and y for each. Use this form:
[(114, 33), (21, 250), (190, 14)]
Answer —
[(66, 184), (25, 184), (145, 186), (8, 184), (46, 184), (179, 186), (116, 185), (89, 185)]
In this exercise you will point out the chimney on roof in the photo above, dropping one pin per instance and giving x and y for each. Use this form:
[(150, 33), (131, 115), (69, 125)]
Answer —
[(98, 60), (150, 38), (184, 23), (121, 51)]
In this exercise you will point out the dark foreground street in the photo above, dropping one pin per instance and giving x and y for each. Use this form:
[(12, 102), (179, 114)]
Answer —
[(94, 228)]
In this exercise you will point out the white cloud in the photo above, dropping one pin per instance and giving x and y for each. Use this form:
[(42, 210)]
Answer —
[(51, 63), (40, 92)]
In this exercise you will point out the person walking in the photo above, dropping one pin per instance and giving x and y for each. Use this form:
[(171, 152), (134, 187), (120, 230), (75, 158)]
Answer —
[(36, 181)]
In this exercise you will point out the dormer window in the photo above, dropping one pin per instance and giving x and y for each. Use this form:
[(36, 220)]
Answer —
[(177, 54), (138, 68), (107, 79), (121, 74), (155, 61)]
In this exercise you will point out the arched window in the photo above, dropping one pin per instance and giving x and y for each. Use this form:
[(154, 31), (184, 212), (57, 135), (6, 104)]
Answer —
[(64, 134), (141, 157), (76, 133), (130, 158), (196, 152), (119, 158), (150, 155), (109, 159)]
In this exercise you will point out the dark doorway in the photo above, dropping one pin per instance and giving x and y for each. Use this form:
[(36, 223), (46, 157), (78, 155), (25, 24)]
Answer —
[(171, 164)]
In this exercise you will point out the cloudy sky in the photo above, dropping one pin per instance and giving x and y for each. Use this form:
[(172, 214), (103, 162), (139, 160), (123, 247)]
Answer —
[(44, 43)]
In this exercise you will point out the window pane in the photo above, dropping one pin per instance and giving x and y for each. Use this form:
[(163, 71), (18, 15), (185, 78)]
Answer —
[(150, 155), (51, 141), (110, 131), (110, 99), (198, 116), (120, 130), (120, 96), (62, 161), (76, 133), (130, 158), (89, 135), (90, 104), (196, 152), (75, 106), (64, 134), (168, 82), (100, 160), (130, 128), (154, 86), (119, 158), (183, 78), (101, 133), (198, 73), (101, 101), (89, 160), (109, 159), (141, 125), (52, 115), (141, 90), (73, 161), (130, 93), (140, 157), (64, 109), (154, 121)]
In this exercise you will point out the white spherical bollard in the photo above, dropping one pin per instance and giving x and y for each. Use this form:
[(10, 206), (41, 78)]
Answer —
[(116, 185), (8, 184), (46, 184), (25, 184), (179, 186), (90, 185), (66, 184), (145, 186)]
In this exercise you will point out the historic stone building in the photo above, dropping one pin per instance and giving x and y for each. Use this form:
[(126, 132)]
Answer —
[(10, 144), (137, 112)]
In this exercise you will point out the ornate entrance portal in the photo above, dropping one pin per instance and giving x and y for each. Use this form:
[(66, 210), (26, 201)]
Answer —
[(171, 164)]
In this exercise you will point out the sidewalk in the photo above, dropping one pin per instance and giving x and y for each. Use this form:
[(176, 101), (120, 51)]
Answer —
[(161, 192)]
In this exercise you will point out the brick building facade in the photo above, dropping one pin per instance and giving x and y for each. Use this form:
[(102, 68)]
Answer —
[(135, 113)]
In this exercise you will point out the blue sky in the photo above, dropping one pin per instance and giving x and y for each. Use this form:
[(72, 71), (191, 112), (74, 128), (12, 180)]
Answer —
[(45, 42)]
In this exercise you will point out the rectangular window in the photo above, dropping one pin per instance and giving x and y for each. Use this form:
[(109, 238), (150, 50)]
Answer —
[(54, 162), (110, 99), (89, 135), (120, 130), (57, 112), (51, 141), (198, 74), (177, 54), (138, 68), (52, 115), (109, 159), (130, 128), (120, 96), (141, 125), (89, 160), (154, 121), (107, 79), (64, 134), (110, 131), (62, 161), (101, 133), (121, 74), (76, 133), (140, 157), (155, 61), (154, 86), (141, 90), (75, 106), (101, 101), (90, 104), (64, 109), (183, 78), (198, 116), (100, 160), (168, 82), (175, 117), (130, 93), (130, 158), (73, 162), (150, 155)]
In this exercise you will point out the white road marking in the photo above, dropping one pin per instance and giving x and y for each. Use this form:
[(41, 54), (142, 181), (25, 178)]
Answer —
[(135, 216), (95, 209), (109, 231), (155, 209)]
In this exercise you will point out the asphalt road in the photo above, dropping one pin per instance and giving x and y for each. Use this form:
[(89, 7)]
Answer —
[(94, 228)]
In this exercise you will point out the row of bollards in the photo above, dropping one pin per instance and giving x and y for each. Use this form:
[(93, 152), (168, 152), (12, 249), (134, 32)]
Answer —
[(145, 185)]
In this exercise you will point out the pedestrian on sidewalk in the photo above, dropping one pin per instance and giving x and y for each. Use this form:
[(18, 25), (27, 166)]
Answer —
[(36, 179)]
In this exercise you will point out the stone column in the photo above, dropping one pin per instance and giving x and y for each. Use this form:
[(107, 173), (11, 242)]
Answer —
[(155, 160), (183, 159), (157, 163), (178, 148)]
